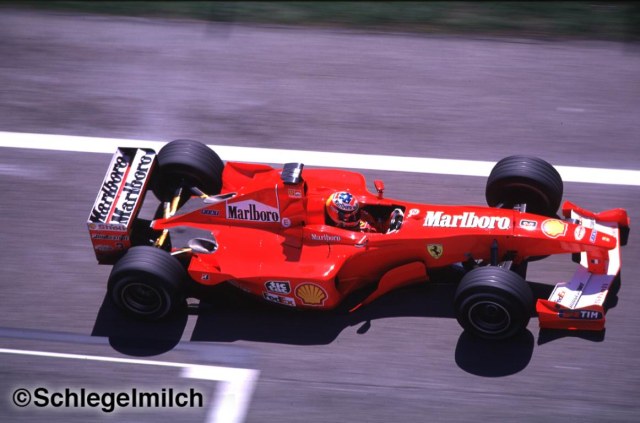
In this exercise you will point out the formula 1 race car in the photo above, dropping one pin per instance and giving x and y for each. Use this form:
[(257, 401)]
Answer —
[(267, 232)]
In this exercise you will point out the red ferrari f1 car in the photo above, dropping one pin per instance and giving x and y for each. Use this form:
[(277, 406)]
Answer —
[(309, 238)]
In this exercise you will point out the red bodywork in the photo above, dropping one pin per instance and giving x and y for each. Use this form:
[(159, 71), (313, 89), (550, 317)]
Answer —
[(274, 240)]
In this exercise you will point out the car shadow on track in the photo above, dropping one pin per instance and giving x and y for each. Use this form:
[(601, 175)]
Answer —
[(135, 337), (486, 358), (243, 318), (226, 315)]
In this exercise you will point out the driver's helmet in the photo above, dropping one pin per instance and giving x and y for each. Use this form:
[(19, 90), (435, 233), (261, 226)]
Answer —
[(343, 209)]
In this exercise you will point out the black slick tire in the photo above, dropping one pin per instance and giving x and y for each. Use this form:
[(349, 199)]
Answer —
[(188, 163), (493, 303), (525, 180), (147, 283)]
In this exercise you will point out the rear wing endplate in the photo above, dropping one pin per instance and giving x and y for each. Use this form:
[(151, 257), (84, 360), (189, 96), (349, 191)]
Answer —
[(118, 202)]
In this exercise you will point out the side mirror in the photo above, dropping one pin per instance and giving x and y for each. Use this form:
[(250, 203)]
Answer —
[(379, 187), (292, 173)]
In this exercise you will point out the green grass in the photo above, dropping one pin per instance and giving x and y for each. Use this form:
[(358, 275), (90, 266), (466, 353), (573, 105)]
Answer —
[(574, 19)]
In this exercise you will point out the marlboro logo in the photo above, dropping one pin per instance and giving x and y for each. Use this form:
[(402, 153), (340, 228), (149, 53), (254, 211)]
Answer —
[(440, 219), (123, 187), (252, 211), (132, 192), (110, 188)]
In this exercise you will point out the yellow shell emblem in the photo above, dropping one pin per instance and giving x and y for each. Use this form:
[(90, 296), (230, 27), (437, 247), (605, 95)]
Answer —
[(553, 228), (311, 294)]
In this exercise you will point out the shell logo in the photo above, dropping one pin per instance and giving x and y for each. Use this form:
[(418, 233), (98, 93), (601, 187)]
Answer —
[(553, 228), (311, 294)]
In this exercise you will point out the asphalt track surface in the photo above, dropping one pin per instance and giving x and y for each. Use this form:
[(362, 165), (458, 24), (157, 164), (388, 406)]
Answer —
[(403, 358)]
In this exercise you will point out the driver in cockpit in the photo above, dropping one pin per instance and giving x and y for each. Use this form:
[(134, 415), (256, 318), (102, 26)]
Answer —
[(344, 211)]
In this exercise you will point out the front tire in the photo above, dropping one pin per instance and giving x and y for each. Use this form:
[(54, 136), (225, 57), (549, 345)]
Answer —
[(493, 303), (147, 283), (525, 180)]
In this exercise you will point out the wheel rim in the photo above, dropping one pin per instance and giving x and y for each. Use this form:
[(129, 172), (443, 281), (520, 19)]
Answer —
[(489, 317), (141, 298)]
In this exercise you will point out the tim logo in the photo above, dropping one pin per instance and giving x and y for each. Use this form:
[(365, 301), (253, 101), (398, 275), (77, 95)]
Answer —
[(580, 314)]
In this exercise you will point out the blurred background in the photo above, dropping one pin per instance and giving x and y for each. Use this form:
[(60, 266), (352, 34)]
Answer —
[(360, 76), (609, 20)]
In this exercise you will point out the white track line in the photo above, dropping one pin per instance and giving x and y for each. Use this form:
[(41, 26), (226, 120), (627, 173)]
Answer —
[(232, 396), (316, 158)]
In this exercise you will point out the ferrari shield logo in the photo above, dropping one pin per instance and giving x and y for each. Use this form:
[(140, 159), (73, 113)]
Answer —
[(435, 250)]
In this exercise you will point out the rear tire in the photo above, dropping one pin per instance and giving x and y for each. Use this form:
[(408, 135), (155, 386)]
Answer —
[(187, 163), (525, 180), (493, 303), (147, 283)]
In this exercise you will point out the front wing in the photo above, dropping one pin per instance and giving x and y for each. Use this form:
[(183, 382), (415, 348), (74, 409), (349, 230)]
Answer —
[(579, 303)]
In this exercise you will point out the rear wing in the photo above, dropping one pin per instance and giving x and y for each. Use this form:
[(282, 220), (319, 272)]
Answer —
[(118, 202), (579, 303)]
